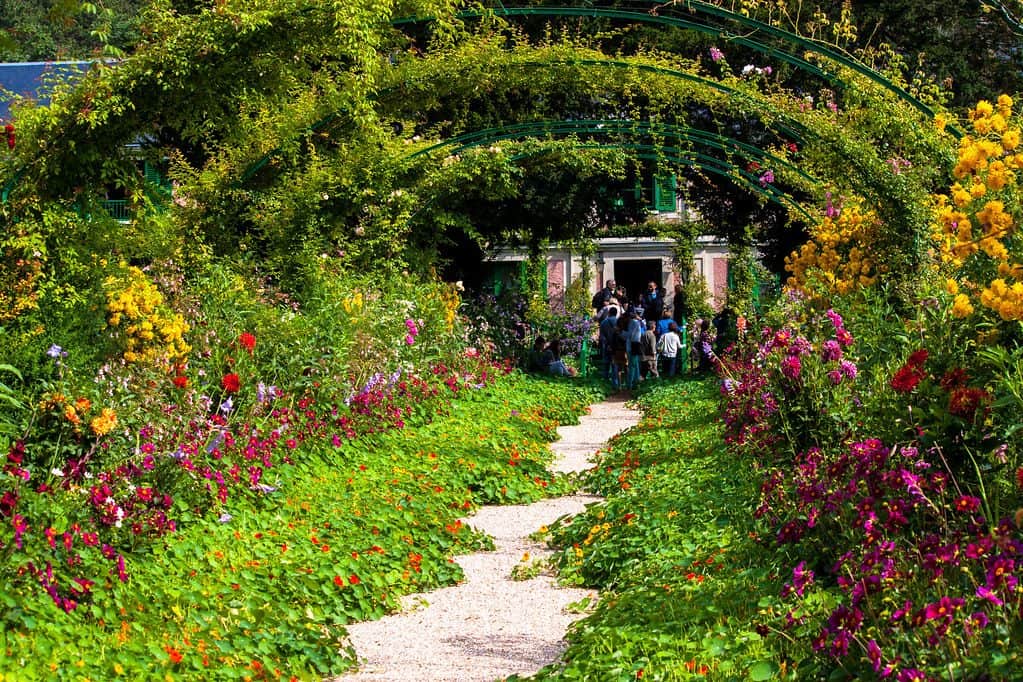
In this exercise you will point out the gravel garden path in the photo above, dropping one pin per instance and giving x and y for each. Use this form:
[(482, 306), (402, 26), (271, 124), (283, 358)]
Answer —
[(490, 626)]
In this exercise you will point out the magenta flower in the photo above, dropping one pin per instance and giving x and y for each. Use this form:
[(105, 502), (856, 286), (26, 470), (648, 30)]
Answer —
[(976, 621), (767, 178), (716, 54), (831, 351), (942, 609), (874, 655), (791, 367), (848, 369), (967, 503), (987, 595)]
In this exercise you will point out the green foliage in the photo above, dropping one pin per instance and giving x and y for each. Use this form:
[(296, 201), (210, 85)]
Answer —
[(268, 579), (687, 587)]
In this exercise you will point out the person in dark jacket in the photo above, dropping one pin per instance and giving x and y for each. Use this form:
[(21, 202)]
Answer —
[(653, 303)]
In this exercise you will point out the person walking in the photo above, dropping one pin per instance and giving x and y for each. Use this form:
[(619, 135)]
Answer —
[(608, 329), (649, 345), (669, 345), (620, 352), (635, 331)]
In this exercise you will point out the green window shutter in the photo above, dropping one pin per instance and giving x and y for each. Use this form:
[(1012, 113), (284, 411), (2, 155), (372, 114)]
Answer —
[(664, 193)]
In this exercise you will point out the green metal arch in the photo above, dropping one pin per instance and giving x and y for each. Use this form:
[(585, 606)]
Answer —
[(681, 157), (791, 127), (656, 14), (613, 127)]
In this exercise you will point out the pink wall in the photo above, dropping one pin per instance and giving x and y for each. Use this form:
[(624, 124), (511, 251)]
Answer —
[(719, 286), (556, 280)]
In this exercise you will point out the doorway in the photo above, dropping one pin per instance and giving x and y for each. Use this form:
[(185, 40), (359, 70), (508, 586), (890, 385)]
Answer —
[(635, 274)]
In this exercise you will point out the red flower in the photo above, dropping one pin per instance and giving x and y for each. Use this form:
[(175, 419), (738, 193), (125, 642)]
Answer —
[(353, 579), (339, 581), (9, 129), (231, 383), (964, 402), (917, 358), (175, 655), (906, 379), (967, 503), (180, 381), (247, 341)]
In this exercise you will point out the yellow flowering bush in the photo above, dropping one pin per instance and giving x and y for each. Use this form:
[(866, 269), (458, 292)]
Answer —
[(451, 300), (975, 226), (20, 272), (76, 412), (148, 329), (104, 422), (353, 305), (838, 253)]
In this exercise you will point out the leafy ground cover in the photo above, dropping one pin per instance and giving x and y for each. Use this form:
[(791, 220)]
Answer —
[(840, 503), (263, 590), (672, 549), (208, 474)]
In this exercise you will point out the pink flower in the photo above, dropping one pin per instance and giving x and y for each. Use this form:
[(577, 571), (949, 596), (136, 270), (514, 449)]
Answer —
[(791, 367), (716, 54)]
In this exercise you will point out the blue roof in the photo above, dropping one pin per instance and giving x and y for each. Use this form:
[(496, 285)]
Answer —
[(34, 80)]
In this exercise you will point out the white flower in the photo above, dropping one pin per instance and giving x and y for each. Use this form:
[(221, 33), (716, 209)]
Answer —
[(56, 472)]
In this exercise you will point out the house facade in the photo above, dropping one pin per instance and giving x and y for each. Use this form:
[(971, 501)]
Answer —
[(631, 262)]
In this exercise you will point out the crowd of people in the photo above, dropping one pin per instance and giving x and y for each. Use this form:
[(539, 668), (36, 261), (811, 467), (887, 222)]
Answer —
[(641, 340), (644, 339)]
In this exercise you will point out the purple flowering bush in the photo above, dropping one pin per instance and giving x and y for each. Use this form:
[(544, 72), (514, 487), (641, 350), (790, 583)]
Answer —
[(788, 392), (888, 483)]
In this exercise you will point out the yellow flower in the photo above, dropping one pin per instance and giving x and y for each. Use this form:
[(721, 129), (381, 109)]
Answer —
[(1004, 105), (951, 286), (104, 423), (1010, 139), (961, 307), (983, 109)]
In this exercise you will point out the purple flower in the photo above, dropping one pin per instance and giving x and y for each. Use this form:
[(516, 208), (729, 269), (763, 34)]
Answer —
[(942, 609), (977, 620), (830, 210), (56, 352), (835, 318), (874, 654), (791, 367), (801, 578), (767, 178), (840, 645), (848, 369), (716, 54), (835, 377), (987, 595), (225, 518), (831, 351)]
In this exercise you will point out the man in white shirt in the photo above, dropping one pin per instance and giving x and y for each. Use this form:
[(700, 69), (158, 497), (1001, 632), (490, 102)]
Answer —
[(669, 345)]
